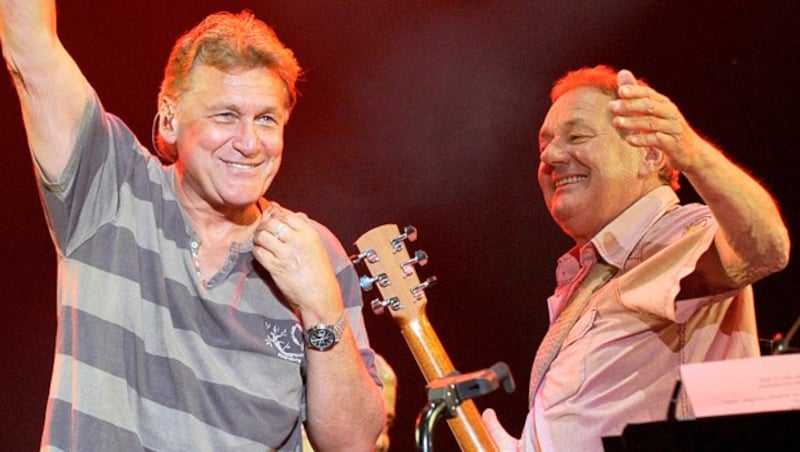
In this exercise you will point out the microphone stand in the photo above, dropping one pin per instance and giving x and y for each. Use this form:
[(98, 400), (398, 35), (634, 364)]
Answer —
[(446, 394)]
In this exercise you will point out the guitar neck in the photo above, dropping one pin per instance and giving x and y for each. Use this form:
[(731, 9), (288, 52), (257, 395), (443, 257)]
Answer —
[(467, 426), (392, 269)]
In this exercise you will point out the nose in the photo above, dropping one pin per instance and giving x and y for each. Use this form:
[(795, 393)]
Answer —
[(553, 153), (246, 139)]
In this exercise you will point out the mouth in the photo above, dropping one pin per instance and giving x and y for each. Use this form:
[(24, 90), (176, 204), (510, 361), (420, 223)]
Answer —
[(570, 180), (242, 166)]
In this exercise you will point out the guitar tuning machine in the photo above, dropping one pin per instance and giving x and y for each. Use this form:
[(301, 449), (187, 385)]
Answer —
[(367, 283), (368, 255), (379, 306), (420, 257), (409, 232), (419, 290)]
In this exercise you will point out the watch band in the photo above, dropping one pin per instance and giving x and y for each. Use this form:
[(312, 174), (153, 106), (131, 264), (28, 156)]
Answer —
[(338, 327), (324, 337)]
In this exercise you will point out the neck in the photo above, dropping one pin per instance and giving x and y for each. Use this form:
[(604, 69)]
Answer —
[(219, 223)]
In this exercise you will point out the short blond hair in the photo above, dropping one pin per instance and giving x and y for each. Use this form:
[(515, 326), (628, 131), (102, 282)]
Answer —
[(228, 42)]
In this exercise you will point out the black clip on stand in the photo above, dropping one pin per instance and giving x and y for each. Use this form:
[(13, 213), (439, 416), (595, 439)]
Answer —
[(446, 394)]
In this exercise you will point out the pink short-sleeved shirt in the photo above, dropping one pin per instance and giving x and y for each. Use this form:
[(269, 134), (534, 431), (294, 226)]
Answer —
[(620, 362)]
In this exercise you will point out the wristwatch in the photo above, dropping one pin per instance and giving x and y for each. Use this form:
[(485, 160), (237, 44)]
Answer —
[(323, 337)]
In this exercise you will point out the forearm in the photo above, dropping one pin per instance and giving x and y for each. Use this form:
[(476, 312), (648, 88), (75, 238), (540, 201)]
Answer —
[(345, 406), (22, 21), (51, 88), (752, 241), (28, 36)]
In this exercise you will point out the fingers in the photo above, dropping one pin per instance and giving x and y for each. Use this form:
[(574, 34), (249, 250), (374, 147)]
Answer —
[(287, 245), (501, 438), (637, 98), (625, 77), (271, 235), (280, 223), (642, 101), (648, 119), (648, 124), (642, 110), (284, 236), (489, 417)]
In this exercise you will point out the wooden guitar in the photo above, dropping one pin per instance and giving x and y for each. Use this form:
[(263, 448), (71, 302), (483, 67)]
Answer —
[(392, 269)]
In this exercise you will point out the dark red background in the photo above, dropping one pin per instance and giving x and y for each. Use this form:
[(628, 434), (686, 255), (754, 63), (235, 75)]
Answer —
[(425, 113)]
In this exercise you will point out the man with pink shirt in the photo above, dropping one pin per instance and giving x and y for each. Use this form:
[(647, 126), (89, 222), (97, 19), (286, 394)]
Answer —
[(678, 283)]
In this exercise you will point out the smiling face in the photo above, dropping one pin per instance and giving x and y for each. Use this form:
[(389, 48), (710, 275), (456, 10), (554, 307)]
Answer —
[(587, 172), (228, 129)]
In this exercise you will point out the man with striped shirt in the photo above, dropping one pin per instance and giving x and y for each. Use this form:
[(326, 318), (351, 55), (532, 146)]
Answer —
[(193, 313)]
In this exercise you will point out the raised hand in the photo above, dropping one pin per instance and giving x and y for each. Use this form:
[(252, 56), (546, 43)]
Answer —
[(653, 121), (290, 249)]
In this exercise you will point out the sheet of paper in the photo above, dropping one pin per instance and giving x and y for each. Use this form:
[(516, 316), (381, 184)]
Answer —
[(752, 385)]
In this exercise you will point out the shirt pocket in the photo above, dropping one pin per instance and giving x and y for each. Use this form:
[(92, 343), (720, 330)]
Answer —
[(568, 370)]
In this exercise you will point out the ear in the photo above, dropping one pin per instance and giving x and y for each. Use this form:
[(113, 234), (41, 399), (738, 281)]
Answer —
[(653, 161), (167, 125)]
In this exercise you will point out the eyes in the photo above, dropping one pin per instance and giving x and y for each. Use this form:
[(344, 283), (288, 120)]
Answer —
[(229, 117), (570, 139), (577, 138)]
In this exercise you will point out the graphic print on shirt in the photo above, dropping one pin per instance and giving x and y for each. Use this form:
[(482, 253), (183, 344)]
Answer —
[(287, 341)]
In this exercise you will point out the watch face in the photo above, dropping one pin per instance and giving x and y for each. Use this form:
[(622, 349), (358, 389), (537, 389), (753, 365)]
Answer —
[(321, 338)]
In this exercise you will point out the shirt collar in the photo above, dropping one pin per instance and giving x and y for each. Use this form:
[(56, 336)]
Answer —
[(615, 242)]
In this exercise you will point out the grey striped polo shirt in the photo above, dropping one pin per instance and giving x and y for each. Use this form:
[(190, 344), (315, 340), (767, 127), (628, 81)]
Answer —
[(148, 357)]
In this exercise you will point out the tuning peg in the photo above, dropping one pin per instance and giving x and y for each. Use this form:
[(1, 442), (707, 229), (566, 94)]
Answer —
[(419, 289), (379, 306), (367, 283), (420, 257), (409, 232), (368, 255)]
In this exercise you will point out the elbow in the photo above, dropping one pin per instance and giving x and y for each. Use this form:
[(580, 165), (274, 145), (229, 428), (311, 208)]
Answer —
[(758, 257), (365, 437), (774, 255), (378, 424), (782, 249)]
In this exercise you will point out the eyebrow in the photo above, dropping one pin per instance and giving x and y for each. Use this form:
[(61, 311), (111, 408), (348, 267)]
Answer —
[(571, 123), (227, 106)]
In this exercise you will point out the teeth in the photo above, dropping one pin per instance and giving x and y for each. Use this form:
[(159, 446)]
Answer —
[(570, 180), (241, 165)]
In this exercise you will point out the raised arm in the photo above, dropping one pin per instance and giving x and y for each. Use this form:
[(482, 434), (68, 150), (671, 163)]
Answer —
[(752, 240), (52, 90)]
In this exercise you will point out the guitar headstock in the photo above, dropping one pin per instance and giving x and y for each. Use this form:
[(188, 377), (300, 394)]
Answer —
[(383, 250)]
